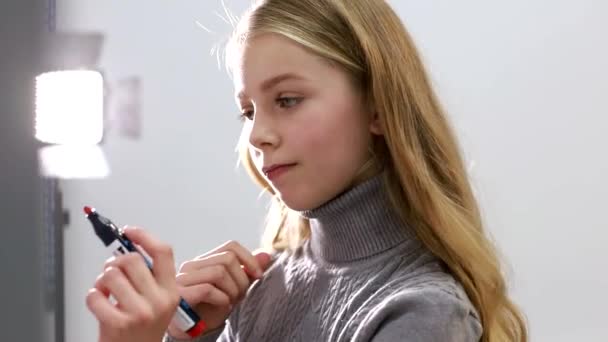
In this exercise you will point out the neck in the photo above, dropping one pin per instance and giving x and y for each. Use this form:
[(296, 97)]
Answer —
[(358, 224)]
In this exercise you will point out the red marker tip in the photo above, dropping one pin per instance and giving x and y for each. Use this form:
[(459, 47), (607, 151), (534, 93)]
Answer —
[(198, 329), (88, 210)]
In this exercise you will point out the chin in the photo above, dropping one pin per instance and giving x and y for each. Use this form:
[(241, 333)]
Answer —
[(302, 198), (299, 202), (297, 205)]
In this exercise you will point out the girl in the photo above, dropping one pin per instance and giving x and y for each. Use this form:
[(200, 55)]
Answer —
[(374, 232)]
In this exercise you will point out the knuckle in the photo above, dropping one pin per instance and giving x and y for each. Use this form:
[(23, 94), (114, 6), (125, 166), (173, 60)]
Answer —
[(144, 315), (217, 272), (130, 259), (90, 299), (100, 278), (165, 250), (224, 276), (185, 265), (111, 261), (180, 278), (231, 244), (205, 290), (168, 302), (123, 325), (230, 257), (191, 266), (111, 275)]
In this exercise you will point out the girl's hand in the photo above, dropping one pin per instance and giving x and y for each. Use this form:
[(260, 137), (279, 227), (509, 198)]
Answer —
[(145, 301), (216, 281)]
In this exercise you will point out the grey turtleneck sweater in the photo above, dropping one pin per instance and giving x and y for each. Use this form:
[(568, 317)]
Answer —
[(362, 276)]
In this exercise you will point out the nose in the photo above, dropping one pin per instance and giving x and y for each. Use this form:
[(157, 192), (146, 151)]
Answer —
[(264, 133)]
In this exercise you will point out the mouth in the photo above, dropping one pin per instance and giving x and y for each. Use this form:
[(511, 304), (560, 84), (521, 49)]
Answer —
[(273, 171)]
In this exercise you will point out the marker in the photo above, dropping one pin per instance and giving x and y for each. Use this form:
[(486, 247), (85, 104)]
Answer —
[(185, 318)]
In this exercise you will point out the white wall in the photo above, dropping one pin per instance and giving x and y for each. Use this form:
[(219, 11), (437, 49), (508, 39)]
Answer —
[(523, 82)]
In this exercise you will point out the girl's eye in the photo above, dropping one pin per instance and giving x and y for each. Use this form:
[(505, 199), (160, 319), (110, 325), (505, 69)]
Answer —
[(282, 102), (246, 115), (288, 102)]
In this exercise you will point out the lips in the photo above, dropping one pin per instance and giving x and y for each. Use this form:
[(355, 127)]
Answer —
[(268, 169), (275, 170)]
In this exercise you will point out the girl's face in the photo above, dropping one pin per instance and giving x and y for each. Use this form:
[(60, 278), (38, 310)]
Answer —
[(305, 114)]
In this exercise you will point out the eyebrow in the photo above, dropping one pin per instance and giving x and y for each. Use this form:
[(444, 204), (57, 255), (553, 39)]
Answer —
[(273, 81)]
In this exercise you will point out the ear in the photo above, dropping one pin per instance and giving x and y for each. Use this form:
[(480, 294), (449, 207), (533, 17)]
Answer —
[(375, 126)]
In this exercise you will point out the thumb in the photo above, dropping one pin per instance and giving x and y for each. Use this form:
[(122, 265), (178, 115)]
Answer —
[(264, 259)]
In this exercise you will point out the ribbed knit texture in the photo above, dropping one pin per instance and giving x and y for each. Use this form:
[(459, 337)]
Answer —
[(362, 276)]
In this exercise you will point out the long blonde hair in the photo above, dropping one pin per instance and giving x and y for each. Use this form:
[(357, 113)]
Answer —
[(426, 178)]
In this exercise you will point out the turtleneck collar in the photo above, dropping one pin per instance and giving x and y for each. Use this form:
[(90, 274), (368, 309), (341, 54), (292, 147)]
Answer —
[(356, 224)]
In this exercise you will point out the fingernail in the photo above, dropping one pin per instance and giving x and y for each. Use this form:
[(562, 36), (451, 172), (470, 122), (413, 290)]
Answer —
[(255, 274), (129, 229)]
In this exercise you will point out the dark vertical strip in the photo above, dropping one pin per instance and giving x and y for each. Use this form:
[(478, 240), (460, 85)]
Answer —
[(21, 284), (55, 223)]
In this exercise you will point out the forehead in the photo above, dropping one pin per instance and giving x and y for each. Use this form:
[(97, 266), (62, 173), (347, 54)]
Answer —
[(269, 55)]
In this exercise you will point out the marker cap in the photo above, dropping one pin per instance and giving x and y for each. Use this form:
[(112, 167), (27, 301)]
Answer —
[(197, 329)]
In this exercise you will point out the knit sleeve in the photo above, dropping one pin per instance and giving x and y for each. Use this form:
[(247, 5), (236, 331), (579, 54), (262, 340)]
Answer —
[(424, 315)]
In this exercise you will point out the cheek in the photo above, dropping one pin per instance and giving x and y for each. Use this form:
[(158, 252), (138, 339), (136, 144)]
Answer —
[(334, 152), (317, 141), (315, 137), (339, 138)]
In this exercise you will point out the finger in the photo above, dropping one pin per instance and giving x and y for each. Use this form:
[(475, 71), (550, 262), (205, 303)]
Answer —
[(161, 253), (230, 262), (204, 293), (264, 260), (244, 256), (115, 282), (137, 272), (105, 312), (216, 275)]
